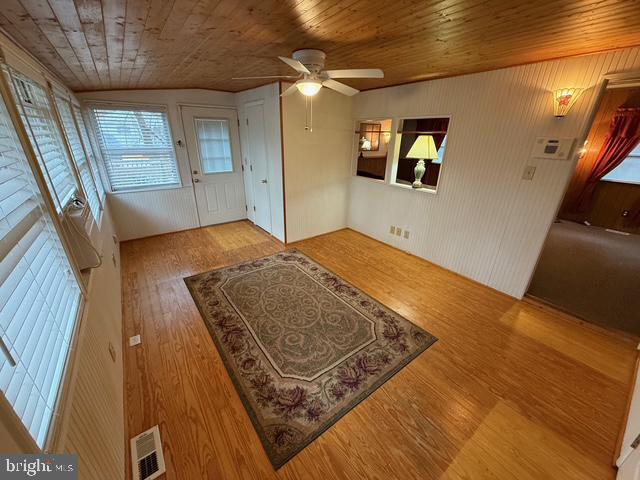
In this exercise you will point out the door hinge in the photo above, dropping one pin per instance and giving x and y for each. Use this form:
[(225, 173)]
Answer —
[(636, 442), (242, 167), (238, 120), (247, 121), (254, 208), (251, 167), (246, 209)]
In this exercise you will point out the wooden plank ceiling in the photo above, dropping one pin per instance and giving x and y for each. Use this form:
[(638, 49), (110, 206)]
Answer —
[(112, 44)]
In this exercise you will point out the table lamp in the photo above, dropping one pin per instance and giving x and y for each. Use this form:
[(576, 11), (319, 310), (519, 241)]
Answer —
[(423, 148)]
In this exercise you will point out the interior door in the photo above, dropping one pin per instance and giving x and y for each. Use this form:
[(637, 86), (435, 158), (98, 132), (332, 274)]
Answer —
[(257, 157), (213, 146)]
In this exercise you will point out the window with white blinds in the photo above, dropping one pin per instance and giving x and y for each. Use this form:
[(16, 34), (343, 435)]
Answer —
[(77, 150), (40, 299), (95, 166), (45, 137), (136, 146)]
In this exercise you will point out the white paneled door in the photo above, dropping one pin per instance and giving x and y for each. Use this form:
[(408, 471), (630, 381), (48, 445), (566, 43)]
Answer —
[(213, 146), (257, 156)]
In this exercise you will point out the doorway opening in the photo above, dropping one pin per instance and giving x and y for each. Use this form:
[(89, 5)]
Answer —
[(590, 263)]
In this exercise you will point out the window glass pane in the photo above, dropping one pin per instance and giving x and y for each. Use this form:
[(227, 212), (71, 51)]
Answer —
[(214, 145), (84, 133), (45, 137), (137, 147), (39, 296), (628, 171), (73, 137)]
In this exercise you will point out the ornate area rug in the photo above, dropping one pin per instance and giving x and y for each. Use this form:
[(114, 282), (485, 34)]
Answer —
[(302, 346)]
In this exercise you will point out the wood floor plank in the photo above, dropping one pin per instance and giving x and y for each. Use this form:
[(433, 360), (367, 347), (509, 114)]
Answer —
[(511, 389)]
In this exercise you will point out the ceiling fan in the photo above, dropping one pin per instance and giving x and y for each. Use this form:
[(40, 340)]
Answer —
[(309, 63)]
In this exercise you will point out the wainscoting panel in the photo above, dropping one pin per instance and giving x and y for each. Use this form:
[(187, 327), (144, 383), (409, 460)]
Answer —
[(94, 411), (142, 214), (485, 222)]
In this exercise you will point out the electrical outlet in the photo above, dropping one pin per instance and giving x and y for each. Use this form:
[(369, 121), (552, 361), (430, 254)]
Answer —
[(529, 172), (406, 234), (392, 230), (398, 231), (112, 352)]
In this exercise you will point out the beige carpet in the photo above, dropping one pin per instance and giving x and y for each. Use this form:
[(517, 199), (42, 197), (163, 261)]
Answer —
[(591, 273)]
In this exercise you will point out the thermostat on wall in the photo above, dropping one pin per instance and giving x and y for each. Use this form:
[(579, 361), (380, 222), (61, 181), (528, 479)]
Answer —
[(553, 148)]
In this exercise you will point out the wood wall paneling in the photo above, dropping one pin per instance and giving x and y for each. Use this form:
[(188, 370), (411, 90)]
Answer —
[(112, 44), (485, 222)]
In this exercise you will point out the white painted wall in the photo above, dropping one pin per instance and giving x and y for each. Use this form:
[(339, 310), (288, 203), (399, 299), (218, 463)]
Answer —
[(153, 212), (485, 222), (317, 165), (270, 96)]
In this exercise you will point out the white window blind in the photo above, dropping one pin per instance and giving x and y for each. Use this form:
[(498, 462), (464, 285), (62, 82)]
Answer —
[(45, 138), (73, 137), (136, 146), (84, 133), (40, 299)]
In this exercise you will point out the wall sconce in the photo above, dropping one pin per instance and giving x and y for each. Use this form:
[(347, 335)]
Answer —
[(563, 100)]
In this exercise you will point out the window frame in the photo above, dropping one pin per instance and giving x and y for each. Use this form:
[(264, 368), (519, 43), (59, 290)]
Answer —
[(201, 163), (53, 112), (91, 216), (60, 408), (95, 130), (396, 154)]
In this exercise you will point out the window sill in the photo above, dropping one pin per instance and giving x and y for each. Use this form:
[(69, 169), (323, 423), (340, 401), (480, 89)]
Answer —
[(431, 191), (370, 179)]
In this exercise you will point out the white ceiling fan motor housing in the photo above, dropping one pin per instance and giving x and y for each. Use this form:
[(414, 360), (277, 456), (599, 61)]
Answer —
[(310, 58)]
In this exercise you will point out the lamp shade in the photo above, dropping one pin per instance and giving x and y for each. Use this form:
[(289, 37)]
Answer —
[(563, 100), (423, 148)]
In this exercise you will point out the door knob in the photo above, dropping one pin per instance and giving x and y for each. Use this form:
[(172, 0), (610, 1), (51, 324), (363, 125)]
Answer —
[(264, 180), (195, 180)]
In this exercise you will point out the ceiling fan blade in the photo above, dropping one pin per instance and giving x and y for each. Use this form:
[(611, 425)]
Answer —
[(295, 64), (264, 76), (340, 87), (289, 90), (356, 73)]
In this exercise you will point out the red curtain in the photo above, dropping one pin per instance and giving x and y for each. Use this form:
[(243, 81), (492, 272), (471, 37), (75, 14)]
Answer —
[(623, 136)]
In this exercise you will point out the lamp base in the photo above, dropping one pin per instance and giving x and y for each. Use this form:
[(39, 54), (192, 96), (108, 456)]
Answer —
[(419, 172)]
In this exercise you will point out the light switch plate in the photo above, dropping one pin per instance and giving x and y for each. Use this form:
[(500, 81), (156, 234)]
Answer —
[(529, 172), (135, 340)]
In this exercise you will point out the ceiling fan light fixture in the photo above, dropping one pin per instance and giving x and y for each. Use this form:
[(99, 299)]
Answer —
[(309, 87)]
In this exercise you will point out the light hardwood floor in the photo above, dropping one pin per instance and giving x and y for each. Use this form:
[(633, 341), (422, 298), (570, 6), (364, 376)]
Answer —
[(510, 390)]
